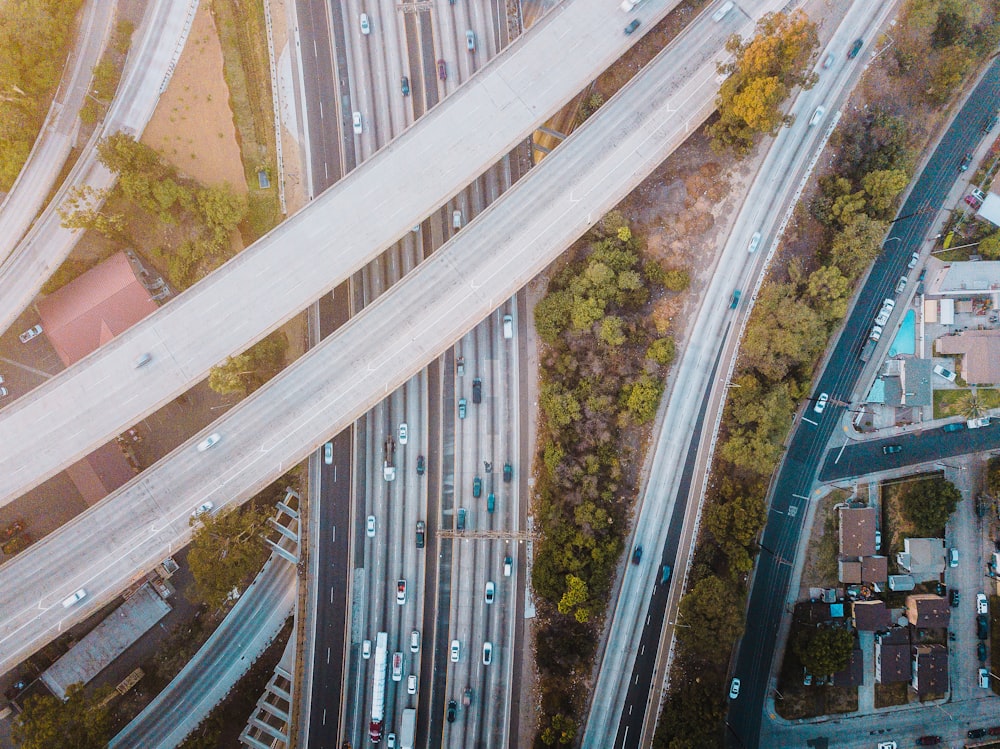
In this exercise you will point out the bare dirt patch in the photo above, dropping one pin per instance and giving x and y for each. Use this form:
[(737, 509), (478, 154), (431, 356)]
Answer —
[(192, 127)]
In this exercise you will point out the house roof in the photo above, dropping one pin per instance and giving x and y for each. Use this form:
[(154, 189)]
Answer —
[(892, 656), (930, 669), (857, 531), (870, 616), (91, 310), (981, 352), (849, 571), (874, 569), (928, 611), (923, 558), (915, 380), (853, 674)]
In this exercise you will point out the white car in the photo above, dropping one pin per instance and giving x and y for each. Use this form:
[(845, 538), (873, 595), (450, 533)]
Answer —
[(953, 557), (984, 678), (366, 649), (508, 566), (75, 598), (33, 332), (202, 509), (401, 592), (404, 433), (490, 592), (3, 392), (508, 326), (982, 605), (397, 666), (901, 285), (754, 241), (887, 745), (356, 119), (366, 26), (487, 653), (415, 641), (212, 439), (411, 684), (817, 116), (734, 689), (455, 649), (914, 259), (370, 526), (821, 402), (328, 453), (946, 373), (390, 741)]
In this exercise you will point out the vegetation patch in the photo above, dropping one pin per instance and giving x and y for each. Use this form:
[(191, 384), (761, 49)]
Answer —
[(35, 39), (888, 695), (805, 298), (602, 375), (970, 403)]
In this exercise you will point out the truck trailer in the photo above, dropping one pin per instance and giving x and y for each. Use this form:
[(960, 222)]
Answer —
[(408, 729), (378, 687)]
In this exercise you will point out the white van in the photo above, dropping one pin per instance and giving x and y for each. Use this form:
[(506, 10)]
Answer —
[(508, 326), (721, 12), (75, 598), (456, 219)]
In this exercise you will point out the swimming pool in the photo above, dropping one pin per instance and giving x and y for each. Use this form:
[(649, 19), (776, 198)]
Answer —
[(905, 341)]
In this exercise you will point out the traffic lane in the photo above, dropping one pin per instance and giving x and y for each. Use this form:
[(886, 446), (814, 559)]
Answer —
[(859, 458), (319, 86)]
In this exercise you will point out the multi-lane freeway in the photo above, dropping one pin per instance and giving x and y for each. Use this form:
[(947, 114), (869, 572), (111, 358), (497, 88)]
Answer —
[(794, 484)]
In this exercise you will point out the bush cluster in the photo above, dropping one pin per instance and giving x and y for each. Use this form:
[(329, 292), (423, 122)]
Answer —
[(602, 377)]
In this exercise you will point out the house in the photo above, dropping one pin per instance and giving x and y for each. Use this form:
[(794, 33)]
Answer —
[(902, 582), (874, 570), (930, 670), (857, 531), (892, 656), (923, 558), (980, 350), (870, 616), (927, 611), (849, 571), (852, 674)]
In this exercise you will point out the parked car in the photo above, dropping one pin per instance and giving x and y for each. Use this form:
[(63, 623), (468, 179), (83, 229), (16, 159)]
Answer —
[(976, 733), (928, 741), (4, 392), (821, 402), (973, 202), (982, 627), (914, 259), (734, 689), (946, 373), (637, 555), (982, 604), (981, 650), (401, 592), (892, 449), (952, 557), (33, 332), (901, 285), (887, 745), (965, 162), (953, 427), (984, 678)]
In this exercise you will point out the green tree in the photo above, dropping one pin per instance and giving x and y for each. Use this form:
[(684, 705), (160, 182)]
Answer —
[(552, 315), (712, 613), (928, 504), (883, 187), (83, 209), (244, 373), (559, 405), (952, 67), (612, 331), (662, 351), (226, 552), (575, 598), (824, 650), (828, 292), (676, 279), (990, 247), (642, 397), (855, 247), (123, 154), (993, 477), (783, 334), (970, 405), (78, 722), (222, 209)]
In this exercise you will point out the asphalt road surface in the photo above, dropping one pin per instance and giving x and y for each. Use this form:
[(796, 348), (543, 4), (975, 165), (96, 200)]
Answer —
[(797, 473), (340, 231)]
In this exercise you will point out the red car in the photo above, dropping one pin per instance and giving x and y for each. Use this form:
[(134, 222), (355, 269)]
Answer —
[(928, 741), (973, 201), (442, 70)]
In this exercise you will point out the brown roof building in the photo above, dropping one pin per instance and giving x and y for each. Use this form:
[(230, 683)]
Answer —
[(875, 570), (88, 312), (892, 656), (870, 616), (930, 670), (853, 674), (857, 531), (927, 611), (849, 571), (980, 350)]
